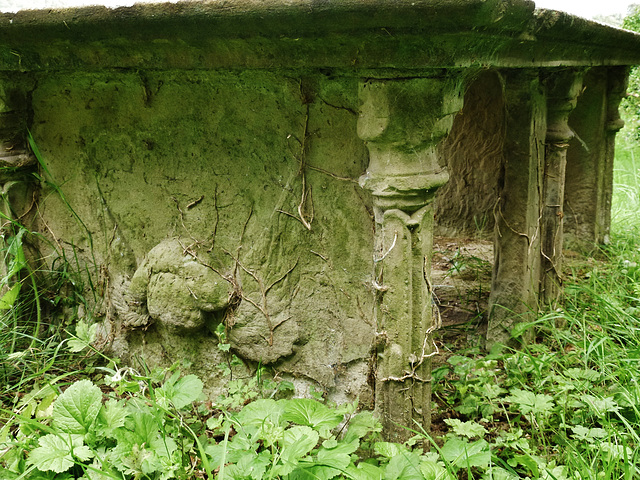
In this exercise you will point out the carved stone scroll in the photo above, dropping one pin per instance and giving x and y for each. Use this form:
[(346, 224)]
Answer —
[(402, 122), (562, 88)]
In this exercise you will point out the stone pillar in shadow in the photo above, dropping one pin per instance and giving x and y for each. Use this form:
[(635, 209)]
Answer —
[(617, 79), (589, 180), (562, 90), (402, 122), (16, 161), (516, 270)]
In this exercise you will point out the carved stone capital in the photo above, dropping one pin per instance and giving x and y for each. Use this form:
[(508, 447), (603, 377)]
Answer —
[(16, 160), (13, 128), (563, 88), (617, 88), (402, 121)]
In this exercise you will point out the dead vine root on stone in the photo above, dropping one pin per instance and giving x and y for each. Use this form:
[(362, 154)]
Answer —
[(415, 360), (305, 207)]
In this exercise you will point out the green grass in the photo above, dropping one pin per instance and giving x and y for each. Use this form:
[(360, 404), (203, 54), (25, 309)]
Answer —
[(626, 193)]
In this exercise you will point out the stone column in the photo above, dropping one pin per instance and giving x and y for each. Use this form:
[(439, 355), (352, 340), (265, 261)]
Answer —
[(562, 89), (516, 270), (402, 122), (14, 151), (588, 186), (617, 79), (16, 161)]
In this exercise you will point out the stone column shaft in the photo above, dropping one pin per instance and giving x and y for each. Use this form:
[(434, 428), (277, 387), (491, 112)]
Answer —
[(617, 79), (516, 267), (16, 161), (402, 122), (589, 180), (562, 89)]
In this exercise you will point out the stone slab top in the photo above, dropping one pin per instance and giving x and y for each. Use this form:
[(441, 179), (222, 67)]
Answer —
[(378, 38)]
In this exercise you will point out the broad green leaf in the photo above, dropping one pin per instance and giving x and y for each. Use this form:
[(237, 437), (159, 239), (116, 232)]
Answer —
[(298, 441), (588, 434), (85, 335), (99, 471), (309, 412), (250, 465), (582, 374), (163, 448), (615, 451), (601, 406), (77, 408), (82, 453), (313, 472), (405, 466), (112, 416), (526, 461), (256, 413), (365, 471), (15, 260), (467, 429), (497, 473), (330, 443), (433, 470), (491, 390), (330, 462), (9, 299), (362, 424), (529, 402), (236, 449), (180, 392), (214, 423), (552, 472), (56, 453), (341, 448), (141, 428), (463, 454), (387, 449)]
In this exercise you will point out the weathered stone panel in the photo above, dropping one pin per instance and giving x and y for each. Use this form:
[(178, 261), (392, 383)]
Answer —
[(473, 152), (247, 180), (590, 158)]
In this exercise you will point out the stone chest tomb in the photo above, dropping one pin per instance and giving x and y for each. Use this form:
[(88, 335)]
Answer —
[(274, 172)]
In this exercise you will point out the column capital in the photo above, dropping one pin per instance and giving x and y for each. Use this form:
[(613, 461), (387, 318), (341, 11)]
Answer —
[(616, 89), (402, 122), (562, 88), (14, 152)]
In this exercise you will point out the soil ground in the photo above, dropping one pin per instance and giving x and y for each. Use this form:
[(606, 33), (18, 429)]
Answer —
[(461, 279)]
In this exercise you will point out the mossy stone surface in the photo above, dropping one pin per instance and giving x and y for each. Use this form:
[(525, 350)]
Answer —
[(176, 172)]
